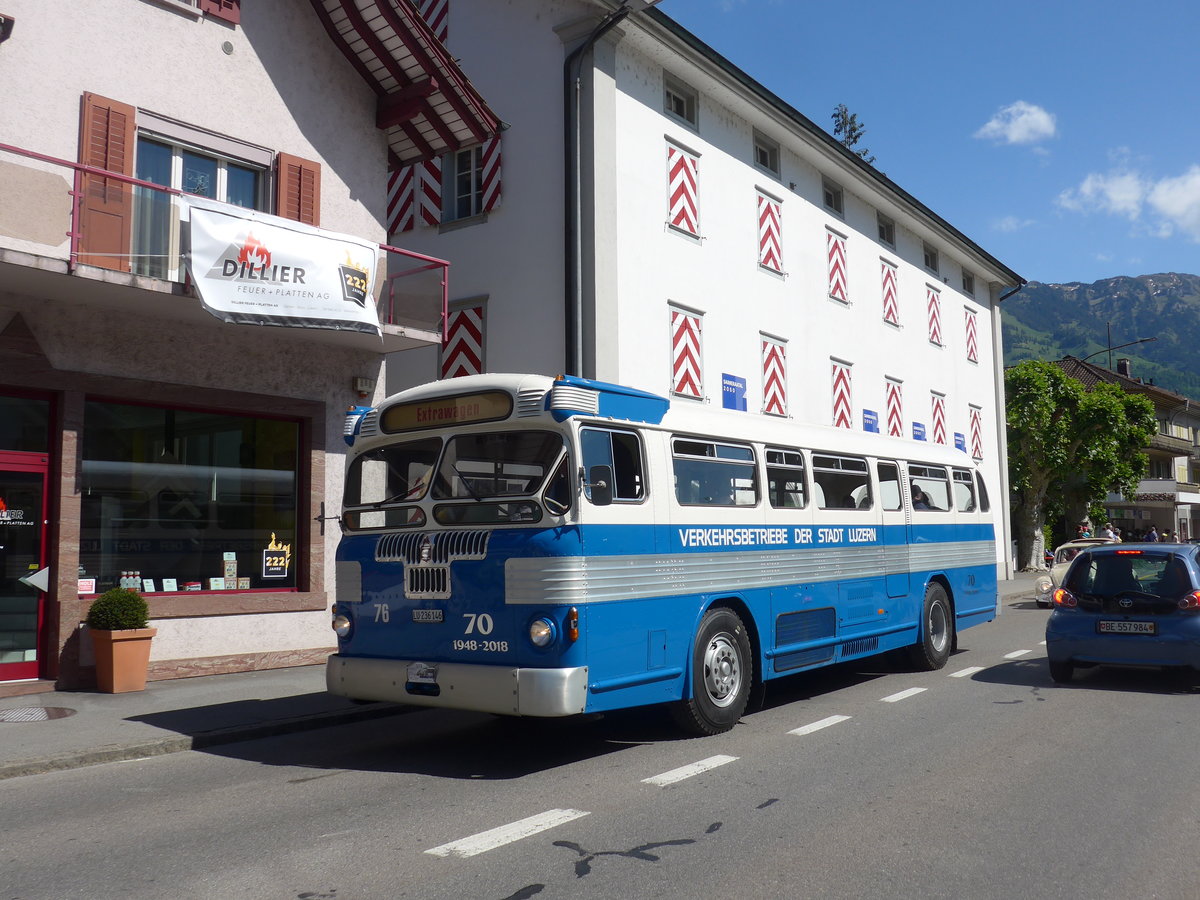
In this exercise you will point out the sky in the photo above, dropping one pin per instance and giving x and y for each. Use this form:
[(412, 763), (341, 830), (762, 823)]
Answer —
[(1061, 136)]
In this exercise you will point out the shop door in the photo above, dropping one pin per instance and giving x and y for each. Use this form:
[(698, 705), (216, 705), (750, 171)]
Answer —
[(22, 556)]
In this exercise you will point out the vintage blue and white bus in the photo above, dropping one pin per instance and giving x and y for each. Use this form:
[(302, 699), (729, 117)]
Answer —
[(532, 546)]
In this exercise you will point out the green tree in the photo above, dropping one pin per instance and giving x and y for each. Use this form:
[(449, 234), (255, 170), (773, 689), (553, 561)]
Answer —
[(848, 130), (1068, 447)]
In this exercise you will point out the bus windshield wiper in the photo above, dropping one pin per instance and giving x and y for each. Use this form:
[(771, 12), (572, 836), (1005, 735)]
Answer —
[(466, 484)]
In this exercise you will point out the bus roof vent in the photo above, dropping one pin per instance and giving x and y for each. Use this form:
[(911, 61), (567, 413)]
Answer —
[(370, 424), (531, 402), (570, 398)]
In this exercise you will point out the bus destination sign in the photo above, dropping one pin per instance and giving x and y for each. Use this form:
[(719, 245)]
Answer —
[(464, 409)]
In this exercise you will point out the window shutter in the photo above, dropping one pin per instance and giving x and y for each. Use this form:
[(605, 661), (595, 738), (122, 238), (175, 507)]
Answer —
[(842, 406), (976, 432), (891, 307), (229, 10), (895, 407), (415, 196), (774, 372), (933, 308), (687, 374), (770, 242), (107, 138), (972, 338), (491, 174), (437, 16), (298, 189), (835, 252), (683, 208), (462, 353), (939, 418)]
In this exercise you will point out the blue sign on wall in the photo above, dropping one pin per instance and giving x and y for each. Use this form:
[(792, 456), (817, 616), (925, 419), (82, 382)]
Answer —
[(870, 421), (918, 431), (733, 392), (960, 441)]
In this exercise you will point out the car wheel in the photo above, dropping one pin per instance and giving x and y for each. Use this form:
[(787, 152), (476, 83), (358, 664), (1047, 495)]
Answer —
[(722, 671), (1061, 671), (1042, 604), (932, 648)]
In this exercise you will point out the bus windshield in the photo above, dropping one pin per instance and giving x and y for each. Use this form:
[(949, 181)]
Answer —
[(496, 464)]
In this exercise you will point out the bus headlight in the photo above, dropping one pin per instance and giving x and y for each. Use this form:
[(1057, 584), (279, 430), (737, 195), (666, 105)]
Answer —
[(541, 632), (341, 626)]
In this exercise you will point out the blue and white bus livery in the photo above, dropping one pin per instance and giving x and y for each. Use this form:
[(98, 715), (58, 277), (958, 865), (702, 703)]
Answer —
[(531, 546)]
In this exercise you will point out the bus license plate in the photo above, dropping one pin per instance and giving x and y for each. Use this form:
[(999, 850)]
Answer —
[(1111, 627), (427, 615), (422, 673)]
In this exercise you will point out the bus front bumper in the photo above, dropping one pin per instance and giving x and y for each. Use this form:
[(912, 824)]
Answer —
[(496, 689)]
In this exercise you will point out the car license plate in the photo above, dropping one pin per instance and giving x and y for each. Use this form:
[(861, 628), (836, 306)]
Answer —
[(427, 615), (422, 673), (1105, 626)]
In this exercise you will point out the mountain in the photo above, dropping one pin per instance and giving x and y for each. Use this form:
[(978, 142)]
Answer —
[(1050, 321)]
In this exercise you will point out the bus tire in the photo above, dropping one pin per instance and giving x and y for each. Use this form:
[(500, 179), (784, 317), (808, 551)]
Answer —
[(722, 673), (932, 648)]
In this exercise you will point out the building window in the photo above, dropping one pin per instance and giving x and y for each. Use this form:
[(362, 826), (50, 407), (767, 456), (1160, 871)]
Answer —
[(679, 100), (931, 258), (968, 283), (202, 173), (833, 196), (766, 153), (188, 501), (468, 182), (887, 229)]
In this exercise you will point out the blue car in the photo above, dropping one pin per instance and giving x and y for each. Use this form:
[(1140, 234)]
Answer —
[(1127, 605)]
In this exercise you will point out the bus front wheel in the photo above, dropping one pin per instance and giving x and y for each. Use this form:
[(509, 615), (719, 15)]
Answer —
[(932, 648), (722, 672)]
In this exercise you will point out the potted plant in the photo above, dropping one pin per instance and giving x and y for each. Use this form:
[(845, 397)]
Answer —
[(117, 620)]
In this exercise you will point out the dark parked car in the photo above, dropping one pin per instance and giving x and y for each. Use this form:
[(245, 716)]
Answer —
[(1127, 605)]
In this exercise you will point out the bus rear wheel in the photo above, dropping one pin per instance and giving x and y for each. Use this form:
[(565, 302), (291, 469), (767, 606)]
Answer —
[(932, 648), (722, 671)]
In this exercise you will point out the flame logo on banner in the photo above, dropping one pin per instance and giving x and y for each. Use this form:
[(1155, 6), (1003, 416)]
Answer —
[(254, 252)]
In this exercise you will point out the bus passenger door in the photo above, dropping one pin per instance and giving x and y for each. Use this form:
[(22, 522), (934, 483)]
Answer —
[(895, 530)]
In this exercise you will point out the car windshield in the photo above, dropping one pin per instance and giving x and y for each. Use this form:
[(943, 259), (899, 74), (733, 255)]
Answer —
[(496, 464), (1110, 574)]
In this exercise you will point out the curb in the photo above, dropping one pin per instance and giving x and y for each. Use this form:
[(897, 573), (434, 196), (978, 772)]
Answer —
[(162, 746)]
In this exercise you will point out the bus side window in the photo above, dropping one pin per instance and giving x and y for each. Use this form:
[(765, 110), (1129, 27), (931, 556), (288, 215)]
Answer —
[(840, 482), (964, 490), (620, 451), (983, 497), (889, 485), (785, 479)]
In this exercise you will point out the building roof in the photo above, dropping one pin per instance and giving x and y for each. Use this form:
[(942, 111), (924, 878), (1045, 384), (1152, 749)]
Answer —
[(831, 145), (427, 105), (1091, 375)]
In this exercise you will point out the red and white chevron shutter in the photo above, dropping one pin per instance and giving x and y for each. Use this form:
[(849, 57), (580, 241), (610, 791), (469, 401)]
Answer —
[(415, 196), (933, 308), (491, 173), (462, 354), (835, 249), (686, 373), (683, 209), (770, 235), (774, 370), (437, 16), (895, 407), (843, 417), (891, 303), (972, 337), (939, 418), (976, 432)]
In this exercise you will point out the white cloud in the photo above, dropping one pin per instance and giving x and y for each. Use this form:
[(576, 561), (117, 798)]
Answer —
[(1172, 204), (1019, 123), (1011, 223)]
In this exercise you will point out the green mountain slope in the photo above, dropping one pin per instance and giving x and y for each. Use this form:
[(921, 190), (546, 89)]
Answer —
[(1050, 321)]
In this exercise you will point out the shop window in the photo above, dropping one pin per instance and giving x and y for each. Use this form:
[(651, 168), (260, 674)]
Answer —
[(24, 424), (179, 500)]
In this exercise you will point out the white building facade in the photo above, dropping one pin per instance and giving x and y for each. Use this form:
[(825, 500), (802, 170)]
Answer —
[(652, 216)]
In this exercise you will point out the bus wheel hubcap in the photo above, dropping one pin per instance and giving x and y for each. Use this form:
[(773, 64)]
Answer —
[(722, 670)]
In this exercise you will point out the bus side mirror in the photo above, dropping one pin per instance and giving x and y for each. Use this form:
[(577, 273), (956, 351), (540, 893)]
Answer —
[(599, 483)]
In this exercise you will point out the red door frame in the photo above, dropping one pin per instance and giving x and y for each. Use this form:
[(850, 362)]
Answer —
[(17, 461)]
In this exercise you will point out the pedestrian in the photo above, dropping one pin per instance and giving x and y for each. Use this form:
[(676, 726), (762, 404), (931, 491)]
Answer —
[(1152, 535), (1107, 532)]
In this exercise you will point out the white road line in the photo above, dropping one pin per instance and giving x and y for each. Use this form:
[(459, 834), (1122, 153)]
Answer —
[(506, 834), (903, 695), (817, 726), (1016, 654), (963, 673), (688, 771)]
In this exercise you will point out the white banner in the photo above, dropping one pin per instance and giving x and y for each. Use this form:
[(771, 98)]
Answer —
[(252, 268)]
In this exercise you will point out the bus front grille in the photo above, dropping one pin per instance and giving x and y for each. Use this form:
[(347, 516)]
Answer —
[(439, 547), (432, 582)]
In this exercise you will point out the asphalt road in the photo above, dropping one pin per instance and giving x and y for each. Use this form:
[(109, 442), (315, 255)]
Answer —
[(980, 780)]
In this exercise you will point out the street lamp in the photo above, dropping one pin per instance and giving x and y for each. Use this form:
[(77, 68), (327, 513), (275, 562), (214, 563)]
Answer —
[(1117, 347)]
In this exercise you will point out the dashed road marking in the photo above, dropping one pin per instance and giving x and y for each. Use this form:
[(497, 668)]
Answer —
[(817, 726), (506, 834), (688, 771), (1016, 654), (963, 673), (903, 695)]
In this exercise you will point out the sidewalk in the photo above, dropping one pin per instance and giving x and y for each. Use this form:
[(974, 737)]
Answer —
[(67, 729)]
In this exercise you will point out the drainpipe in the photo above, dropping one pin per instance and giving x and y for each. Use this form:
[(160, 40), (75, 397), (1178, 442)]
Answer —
[(573, 217), (1001, 507)]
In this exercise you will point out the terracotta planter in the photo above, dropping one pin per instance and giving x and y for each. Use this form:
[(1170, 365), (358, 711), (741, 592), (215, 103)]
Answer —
[(122, 658)]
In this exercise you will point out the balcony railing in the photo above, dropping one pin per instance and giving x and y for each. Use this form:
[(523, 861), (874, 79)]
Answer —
[(1171, 444), (81, 216)]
